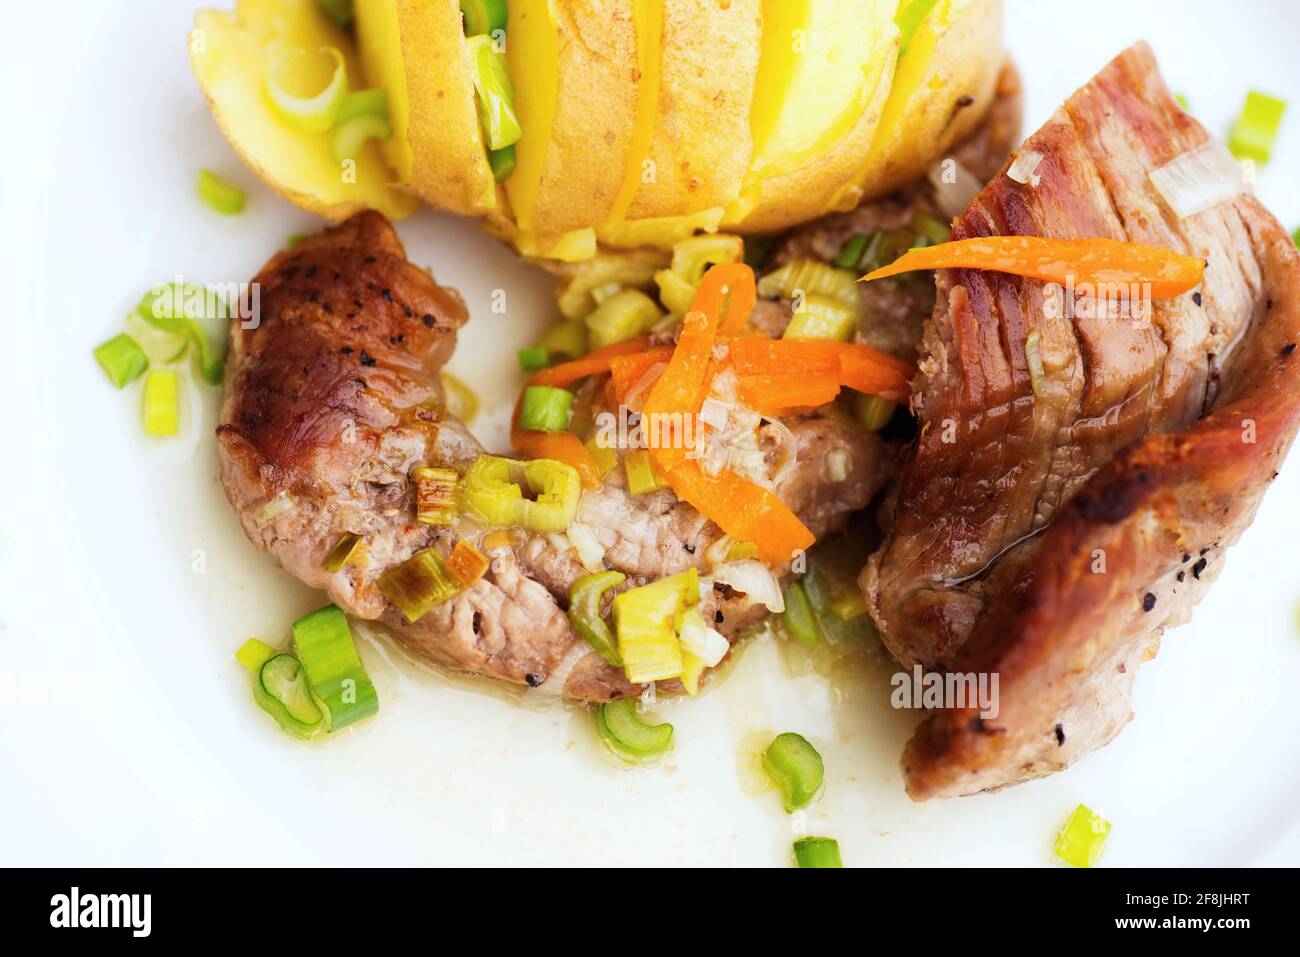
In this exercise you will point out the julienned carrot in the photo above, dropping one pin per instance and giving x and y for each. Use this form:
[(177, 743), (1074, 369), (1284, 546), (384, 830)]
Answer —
[(777, 395), (594, 363), (745, 511), (734, 283), (1099, 262), (848, 364), (627, 371)]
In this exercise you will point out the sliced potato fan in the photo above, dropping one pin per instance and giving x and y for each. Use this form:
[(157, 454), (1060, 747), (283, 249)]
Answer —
[(643, 121), (231, 54)]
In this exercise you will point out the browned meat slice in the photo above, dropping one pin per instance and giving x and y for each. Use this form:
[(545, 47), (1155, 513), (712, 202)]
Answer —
[(1051, 534), (895, 310), (336, 395)]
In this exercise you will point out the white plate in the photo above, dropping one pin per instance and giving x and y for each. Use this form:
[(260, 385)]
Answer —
[(126, 730)]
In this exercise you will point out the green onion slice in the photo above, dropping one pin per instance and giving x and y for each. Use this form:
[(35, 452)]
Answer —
[(795, 767), (817, 852), (622, 316), (533, 359), (563, 341), (334, 670), (254, 653), (495, 93), (419, 584), (183, 309), (484, 16), (311, 114), (851, 252), (347, 140), (545, 408), (339, 11), (220, 196), (929, 230), (629, 737), (162, 403), (909, 18), (1256, 129), (1082, 838), (280, 689), (585, 600), (873, 412), (798, 615), (342, 553), (122, 359), (503, 162)]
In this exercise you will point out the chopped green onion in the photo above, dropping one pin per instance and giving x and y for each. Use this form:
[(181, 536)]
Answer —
[(122, 359), (334, 670), (171, 309), (219, 195), (692, 257), (885, 247), (254, 653), (484, 16), (162, 403), (643, 475), (822, 317), (495, 93), (493, 493), (362, 116), (836, 600), (419, 584), (873, 412), (646, 619), (798, 615), (585, 599), (503, 162), (1256, 129), (312, 114), (1037, 377), (1182, 102), (554, 489), (533, 359), (435, 495), (1082, 838), (606, 458), (911, 14), (343, 553), (629, 737), (851, 252), (817, 852), (674, 292), (339, 11), (563, 341), (622, 316), (812, 278), (545, 408), (929, 230), (280, 689), (1295, 237), (795, 767)]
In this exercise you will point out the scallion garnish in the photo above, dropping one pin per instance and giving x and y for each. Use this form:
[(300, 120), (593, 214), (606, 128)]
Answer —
[(1256, 129), (798, 615), (795, 767), (362, 116), (533, 359), (346, 551), (817, 852), (280, 689), (545, 408), (254, 653), (122, 359), (495, 93), (503, 162), (484, 16), (419, 584), (219, 195), (170, 308), (435, 495), (310, 114), (334, 670), (851, 252), (1082, 838), (585, 599), (629, 737), (643, 476), (646, 619), (162, 403)]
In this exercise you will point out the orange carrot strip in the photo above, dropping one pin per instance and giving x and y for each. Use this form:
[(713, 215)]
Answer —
[(867, 370), (1100, 262), (466, 563), (778, 395), (849, 364), (594, 363), (745, 511), (626, 371)]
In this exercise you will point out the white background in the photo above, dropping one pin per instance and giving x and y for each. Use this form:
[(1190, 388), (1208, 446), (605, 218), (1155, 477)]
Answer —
[(127, 735)]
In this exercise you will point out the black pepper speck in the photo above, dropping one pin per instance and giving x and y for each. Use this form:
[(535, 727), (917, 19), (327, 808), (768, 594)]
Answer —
[(366, 358), (1198, 568), (1148, 601)]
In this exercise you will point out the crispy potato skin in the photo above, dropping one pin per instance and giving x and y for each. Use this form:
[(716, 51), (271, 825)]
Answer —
[(450, 169), (918, 127), (701, 144)]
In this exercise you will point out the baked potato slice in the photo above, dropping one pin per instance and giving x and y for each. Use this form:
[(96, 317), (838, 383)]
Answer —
[(576, 83), (941, 91), (230, 53), (823, 77), (416, 50)]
